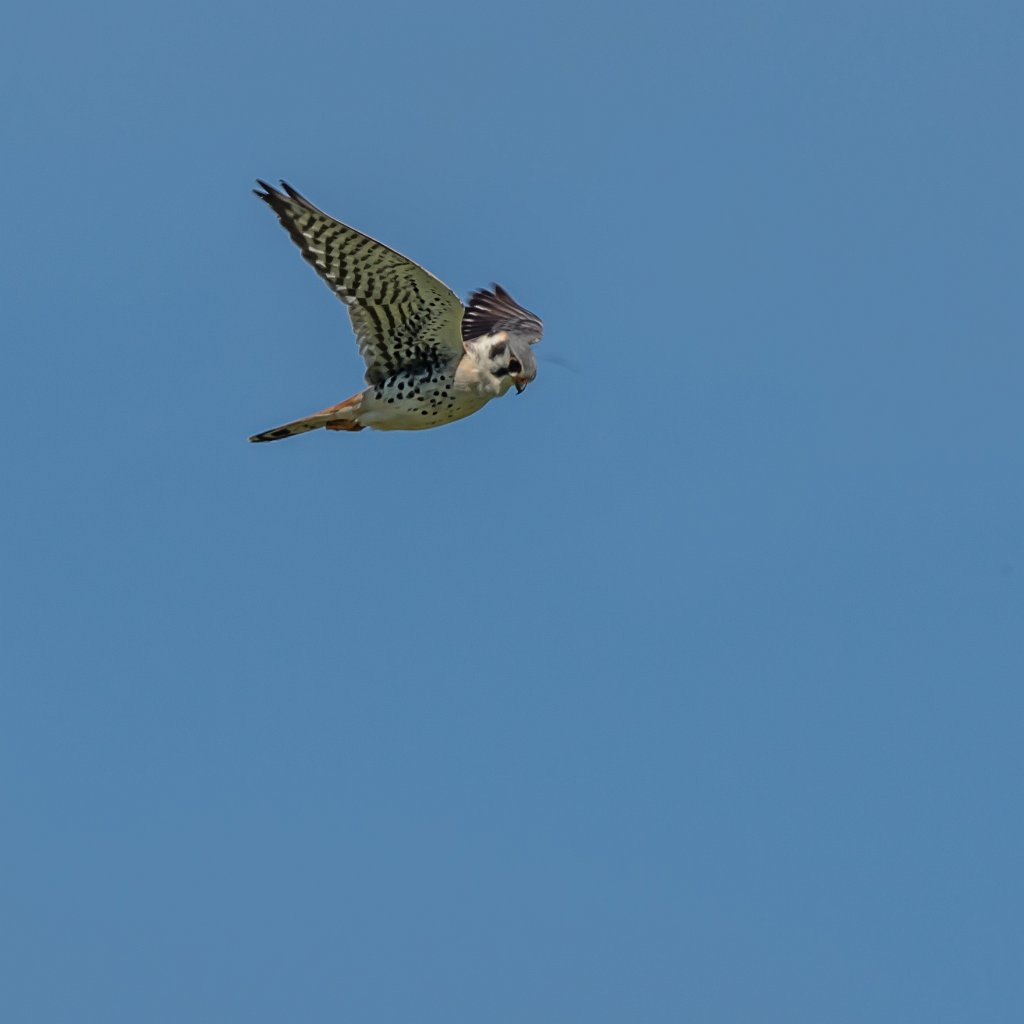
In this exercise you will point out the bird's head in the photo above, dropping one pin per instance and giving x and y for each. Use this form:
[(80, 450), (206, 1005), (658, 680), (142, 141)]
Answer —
[(508, 360), (500, 332)]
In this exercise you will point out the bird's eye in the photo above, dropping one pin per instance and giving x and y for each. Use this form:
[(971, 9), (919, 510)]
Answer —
[(514, 366)]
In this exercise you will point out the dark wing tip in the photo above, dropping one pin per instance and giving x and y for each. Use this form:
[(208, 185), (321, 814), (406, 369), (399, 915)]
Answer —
[(277, 199)]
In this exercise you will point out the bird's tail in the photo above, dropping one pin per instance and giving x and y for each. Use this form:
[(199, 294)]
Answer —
[(343, 416)]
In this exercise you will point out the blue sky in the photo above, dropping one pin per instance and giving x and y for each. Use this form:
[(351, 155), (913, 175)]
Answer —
[(685, 686)]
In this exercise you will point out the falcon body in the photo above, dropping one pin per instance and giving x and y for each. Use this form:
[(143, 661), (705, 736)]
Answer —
[(429, 359)]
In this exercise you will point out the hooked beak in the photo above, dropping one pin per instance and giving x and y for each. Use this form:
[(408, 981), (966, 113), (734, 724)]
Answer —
[(521, 385)]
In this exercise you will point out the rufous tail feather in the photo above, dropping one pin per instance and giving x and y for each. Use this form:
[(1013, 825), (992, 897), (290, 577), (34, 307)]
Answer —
[(343, 416)]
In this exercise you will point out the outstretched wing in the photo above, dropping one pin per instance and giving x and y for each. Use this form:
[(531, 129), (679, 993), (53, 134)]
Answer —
[(402, 315), (492, 311)]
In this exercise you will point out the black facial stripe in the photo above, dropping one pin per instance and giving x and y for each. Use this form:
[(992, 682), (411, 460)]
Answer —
[(496, 350), (503, 372)]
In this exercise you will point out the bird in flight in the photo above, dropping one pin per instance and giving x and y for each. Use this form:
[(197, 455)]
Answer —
[(429, 359)]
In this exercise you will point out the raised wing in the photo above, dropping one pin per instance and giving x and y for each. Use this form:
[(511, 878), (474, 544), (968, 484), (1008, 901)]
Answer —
[(402, 315), (492, 311)]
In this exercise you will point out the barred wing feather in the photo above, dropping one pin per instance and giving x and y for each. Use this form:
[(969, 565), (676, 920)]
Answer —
[(403, 316)]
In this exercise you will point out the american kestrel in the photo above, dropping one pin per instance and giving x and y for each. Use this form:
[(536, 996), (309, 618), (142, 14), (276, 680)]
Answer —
[(429, 360)]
